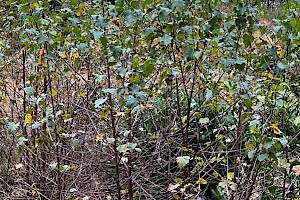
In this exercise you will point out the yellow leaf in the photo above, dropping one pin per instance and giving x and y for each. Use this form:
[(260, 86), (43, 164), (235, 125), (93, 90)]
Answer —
[(231, 75), (201, 46), (4, 100), (44, 64), (74, 55), (53, 92), (230, 101), (83, 71), (179, 180), (41, 54), (73, 167), (68, 93), (201, 181), (270, 76), (223, 184), (39, 60), (214, 159), (230, 175), (82, 94), (154, 94), (120, 115), (155, 41), (248, 63), (62, 54), (123, 191), (216, 174), (186, 186), (34, 192), (233, 186), (35, 5), (275, 128), (281, 44), (183, 119), (280, 52), (81, 9), (99, 137), (28, 118)]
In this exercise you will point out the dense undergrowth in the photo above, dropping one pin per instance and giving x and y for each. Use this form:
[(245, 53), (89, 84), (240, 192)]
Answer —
[(149, 100)]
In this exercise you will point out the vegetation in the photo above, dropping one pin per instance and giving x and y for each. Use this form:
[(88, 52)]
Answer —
[(149, 99)]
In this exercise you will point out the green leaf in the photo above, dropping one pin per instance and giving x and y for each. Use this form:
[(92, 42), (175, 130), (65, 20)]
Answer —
[(74, 142), (116, 51), (248, 39), (110, 140), (83, 47), (126, 133), (64, 168), (138, 108), (148, 68), (178, 3), (104, 41), (247, 102), (189, 54), (66, 117), (70, 135), (131, 101), (110, 90), (282, 65), (196, 54), (240, 61), (297, 121), (208, 95), (130, 18), (53, 165), (175, 71), (182, 161), (99, 102), (101, 22), (147, 2), (251, 154), (21, 140), (41, 39), (204, 120), (97, 35), (282, 140), (29, 91), (99, 78), (277, 145), (166, 39), (122, 148), (226, 61), (163, 13), (12, 126), (262, 157), (1, 57), (246, 98), (269, 144), (131, 146), (77, 32)]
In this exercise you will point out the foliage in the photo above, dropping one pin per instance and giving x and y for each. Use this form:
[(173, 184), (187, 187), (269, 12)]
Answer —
[(149, 99)]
